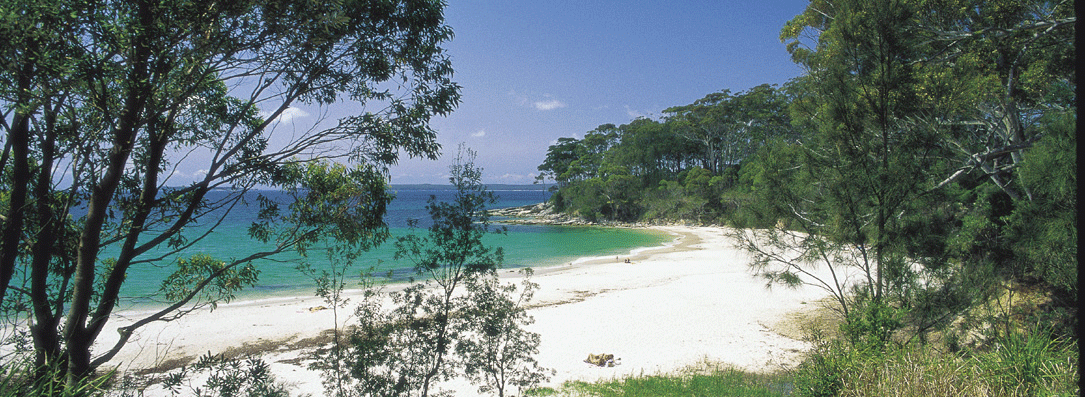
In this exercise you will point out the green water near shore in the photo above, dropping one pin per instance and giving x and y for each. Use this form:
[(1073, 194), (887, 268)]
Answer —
[(523, 245)]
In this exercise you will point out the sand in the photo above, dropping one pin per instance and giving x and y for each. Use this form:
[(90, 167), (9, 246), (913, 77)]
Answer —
[(668, 308)]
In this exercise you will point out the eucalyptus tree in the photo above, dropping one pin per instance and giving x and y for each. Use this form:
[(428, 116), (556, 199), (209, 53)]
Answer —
[(558, 158), (104, 102), (652, 151), (729, 127), (592, 152)]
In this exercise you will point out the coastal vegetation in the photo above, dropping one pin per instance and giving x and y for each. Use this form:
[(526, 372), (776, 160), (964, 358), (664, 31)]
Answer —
[(925, 161), (921, 170), (703, 379), (105, 102), (457, 320)]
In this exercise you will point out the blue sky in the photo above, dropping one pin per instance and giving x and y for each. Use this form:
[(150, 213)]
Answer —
[(534, 71)]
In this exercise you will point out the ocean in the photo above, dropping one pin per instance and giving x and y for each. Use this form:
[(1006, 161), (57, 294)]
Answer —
[(523, 245)]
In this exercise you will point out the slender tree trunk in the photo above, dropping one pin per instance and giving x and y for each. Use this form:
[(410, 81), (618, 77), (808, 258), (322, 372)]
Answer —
[(442, 341), (79, 339), (44, 332), (19, 139), (115, 278)]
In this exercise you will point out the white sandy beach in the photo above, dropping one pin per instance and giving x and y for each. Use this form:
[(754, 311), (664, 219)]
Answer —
[(669, 308)]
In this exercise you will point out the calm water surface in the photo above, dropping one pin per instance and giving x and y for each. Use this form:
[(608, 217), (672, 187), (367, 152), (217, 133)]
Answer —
[(524, 246)]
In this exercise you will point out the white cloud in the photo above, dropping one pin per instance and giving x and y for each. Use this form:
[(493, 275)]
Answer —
[(545, 103), (549, 104), (633, 113), (516, 178), (479, 134), (287, 115)]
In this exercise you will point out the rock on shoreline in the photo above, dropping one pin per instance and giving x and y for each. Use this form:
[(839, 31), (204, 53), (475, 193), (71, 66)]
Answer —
[(535, 214), (544, 214)]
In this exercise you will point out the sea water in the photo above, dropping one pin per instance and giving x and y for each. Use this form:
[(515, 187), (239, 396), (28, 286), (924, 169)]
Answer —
[(523, 246)]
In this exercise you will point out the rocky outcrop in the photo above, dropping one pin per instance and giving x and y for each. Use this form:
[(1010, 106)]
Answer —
[(602, 360), (544, 214), (535, 214)]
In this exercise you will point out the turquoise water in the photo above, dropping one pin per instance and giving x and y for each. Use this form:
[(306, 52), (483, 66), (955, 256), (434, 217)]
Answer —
[(523, 245)]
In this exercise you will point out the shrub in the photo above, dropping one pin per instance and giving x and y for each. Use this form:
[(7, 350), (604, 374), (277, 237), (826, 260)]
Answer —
[(1018, 364), (871, 325), (823, 373), (226, 377), (1030, 363)]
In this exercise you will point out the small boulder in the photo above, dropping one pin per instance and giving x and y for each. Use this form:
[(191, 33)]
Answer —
[(601, 360)]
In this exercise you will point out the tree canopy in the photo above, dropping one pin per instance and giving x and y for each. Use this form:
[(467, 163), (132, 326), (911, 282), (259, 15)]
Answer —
[(104, 101), (907, 151), (622, 172)]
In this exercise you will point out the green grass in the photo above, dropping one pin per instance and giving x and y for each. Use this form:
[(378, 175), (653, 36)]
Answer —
[(16, 380), (1031, 363), (706, 380), (1015, 365)]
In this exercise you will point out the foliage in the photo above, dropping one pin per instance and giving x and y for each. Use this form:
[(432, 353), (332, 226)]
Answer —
[(728, 128), (192, 272), (628, 172), (872, 326), (433, 330), (897, 199), (1045, 228), (696, 196), (352, 200), (23, 379), (106, 104), (498, 353), (1020, 364), (866, 166), (928, 156), (225, 378), (823, 372)]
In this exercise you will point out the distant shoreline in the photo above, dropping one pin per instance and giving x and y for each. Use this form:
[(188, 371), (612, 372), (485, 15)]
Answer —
[(491, 187), (544, 214)]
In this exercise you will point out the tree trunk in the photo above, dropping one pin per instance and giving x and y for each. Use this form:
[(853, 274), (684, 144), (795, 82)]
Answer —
[(112, 286), (77, 336), (19, 139), (44, 332)]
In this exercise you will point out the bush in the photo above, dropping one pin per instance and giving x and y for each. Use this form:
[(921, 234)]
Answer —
[(226, 377), (871, 325), (1030, 363), (1018, 364), (824, 372)]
